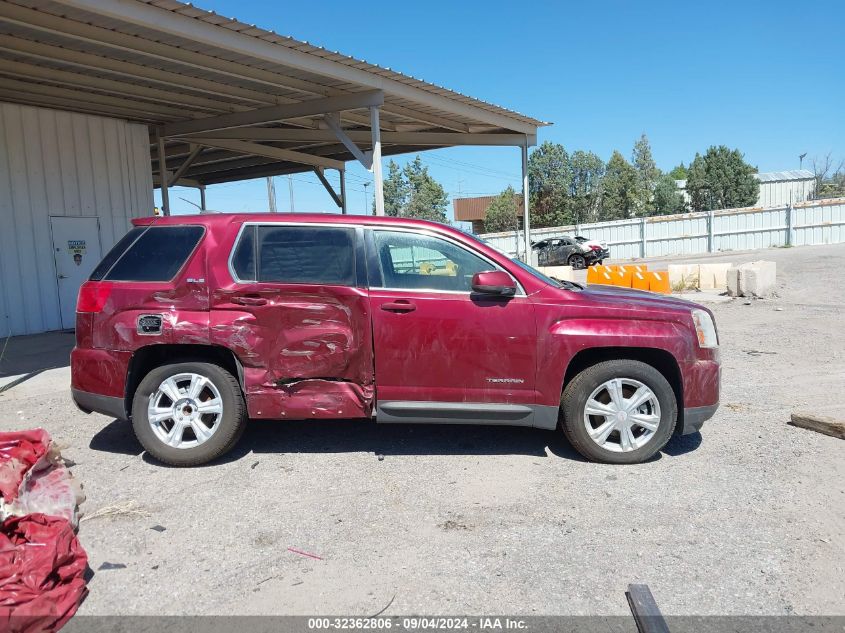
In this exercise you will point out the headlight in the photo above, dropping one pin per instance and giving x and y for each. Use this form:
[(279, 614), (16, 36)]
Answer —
[(705, 329)]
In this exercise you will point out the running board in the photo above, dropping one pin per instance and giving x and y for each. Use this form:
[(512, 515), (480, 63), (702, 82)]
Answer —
[(400, 411)]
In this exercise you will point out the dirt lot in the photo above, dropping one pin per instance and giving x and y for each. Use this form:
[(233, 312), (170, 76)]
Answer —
[(746, 518)]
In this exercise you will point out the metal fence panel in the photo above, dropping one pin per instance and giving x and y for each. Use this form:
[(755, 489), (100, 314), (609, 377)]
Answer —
[(815, 222)]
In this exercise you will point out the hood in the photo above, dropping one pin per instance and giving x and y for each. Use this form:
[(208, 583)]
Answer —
[(636, 298)]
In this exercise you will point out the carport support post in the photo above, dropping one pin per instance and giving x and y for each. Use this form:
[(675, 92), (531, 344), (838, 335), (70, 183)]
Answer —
[(526, 223), (343, 191), (202, 198), (377, 177), (162, 174), (642, 238), (711, 236)]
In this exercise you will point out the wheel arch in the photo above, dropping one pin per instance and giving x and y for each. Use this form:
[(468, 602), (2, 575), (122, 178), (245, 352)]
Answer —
[(662, 360), (147, 358)]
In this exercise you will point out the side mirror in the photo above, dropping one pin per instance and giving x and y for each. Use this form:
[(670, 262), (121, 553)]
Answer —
[(494, 282)]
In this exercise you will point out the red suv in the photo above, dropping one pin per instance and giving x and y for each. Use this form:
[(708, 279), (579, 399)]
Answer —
[(191, 325)]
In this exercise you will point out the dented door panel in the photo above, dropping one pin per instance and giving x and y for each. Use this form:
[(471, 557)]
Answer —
[(306, 349)]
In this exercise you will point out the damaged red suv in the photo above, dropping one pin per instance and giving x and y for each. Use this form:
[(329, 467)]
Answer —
[(191, 325)]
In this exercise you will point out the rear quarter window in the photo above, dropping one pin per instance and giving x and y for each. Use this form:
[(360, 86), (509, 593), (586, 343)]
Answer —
[(155, 254)]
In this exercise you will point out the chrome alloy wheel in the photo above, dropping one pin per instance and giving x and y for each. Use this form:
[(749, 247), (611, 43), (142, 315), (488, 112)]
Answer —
[(622, 415), (185, 410)]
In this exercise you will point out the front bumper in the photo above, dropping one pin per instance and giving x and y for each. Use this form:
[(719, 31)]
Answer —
[(598, 256), (695, 417)]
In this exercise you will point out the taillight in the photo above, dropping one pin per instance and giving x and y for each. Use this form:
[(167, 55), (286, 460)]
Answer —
[(93, 296), (595, 247)]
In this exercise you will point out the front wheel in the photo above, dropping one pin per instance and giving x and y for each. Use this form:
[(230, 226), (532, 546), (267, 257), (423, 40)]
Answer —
[(619, 412), (187, 414), (578, 262)]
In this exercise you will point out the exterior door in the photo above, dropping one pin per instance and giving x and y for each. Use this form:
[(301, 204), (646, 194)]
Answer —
[(298, 318), (437, 342), (76, 249)]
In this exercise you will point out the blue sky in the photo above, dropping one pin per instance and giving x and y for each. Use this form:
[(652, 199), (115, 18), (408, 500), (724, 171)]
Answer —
[(765, 77)]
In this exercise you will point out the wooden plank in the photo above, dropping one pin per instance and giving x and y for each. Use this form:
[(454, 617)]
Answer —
[(645, 611), (819, 424)]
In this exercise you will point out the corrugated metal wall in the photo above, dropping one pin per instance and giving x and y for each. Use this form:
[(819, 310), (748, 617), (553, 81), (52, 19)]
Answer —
[(781, 192), (59, 163), (815, 222)]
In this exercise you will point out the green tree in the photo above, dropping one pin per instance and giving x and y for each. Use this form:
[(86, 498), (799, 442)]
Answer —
[(679, 172), (619, 189), (721, 179), (586, 173), (667, 198), (503, 213), (395, 191), (549, 179), (413, 193), (647, 175)]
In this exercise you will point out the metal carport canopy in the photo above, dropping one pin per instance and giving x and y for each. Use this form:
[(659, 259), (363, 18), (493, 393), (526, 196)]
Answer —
[(230, 101)]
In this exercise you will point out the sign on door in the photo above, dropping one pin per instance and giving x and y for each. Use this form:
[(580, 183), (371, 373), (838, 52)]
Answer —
[(76, 248)]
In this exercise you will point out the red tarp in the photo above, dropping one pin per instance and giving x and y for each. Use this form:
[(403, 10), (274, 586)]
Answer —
[(42, 563)]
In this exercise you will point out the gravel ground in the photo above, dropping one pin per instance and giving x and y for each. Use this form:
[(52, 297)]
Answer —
[(746, 518)]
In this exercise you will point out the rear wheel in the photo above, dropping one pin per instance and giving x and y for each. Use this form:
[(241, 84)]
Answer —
[(619, 412), (577, 261), (187, 414)]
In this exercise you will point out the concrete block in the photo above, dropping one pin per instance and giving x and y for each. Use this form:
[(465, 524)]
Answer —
[(758, 279), (683, 277), (752, 279), (713, 276), (559, 272), (732, 282)]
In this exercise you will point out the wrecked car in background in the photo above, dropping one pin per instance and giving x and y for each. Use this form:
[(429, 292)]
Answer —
[(191, 325), (578, 252)]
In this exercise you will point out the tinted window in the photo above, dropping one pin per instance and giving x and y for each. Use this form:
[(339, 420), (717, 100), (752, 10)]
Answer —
[(157, 255), (115, 253), (415, 261), (243, 259), (306, 255)]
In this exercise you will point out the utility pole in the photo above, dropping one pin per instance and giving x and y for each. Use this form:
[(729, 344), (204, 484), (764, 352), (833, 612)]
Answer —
[(801, 160), (271, 194), (366, 198), (290, 190)]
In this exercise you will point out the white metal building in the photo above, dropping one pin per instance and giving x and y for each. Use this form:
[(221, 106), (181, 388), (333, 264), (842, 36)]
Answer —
[(777, 188), (102, 100)]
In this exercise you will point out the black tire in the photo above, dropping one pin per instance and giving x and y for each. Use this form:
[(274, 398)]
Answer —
[(578, 262), (578, 391), (228, 431)]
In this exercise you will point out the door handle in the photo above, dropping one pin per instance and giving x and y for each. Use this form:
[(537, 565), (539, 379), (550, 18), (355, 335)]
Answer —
[(249, 301), (62, 276), (400, 305)]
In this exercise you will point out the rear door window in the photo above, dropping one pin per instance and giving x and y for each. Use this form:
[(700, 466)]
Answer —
[(299, 255), (155, 254)]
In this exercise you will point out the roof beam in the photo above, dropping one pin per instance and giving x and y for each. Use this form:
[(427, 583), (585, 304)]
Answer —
[(365, 158), (363, 136), (79, 80), (277, 113), (89, 61), (256, 149), (89, 34), (196, 151), (159, 112), (328, 187), (172, 23)]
